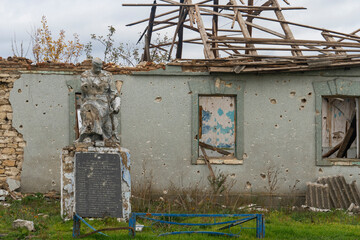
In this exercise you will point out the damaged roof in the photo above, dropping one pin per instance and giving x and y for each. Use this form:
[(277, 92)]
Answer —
[(238, 36)]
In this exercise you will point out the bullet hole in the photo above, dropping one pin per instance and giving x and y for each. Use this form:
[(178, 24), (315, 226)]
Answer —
[(21, 126), (233, 175), (310, 93), (70, 88), (36, 105), (19, 90), (292, 94), (245, 156), (39, 81), (350, 175), (273, 101), (198, 171), (303, 100), (248, 185), (320, 170), (158, 99), (287, 170), (276, 126), (231, 104), (26, 85), (6, 119), (44, 113), (281, 116), (289, 120), (301, 107), (27, 101), (164, 164), (263, 175), (53, 183), (256, 94), (190, 92)]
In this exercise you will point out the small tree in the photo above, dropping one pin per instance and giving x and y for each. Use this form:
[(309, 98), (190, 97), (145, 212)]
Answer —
[(46, 48), (124, 54), (19, 50)]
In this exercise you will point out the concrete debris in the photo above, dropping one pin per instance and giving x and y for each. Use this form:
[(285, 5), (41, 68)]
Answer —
[(253, 207), (314, 209), (13, 184), (18, 223), (3, 193), (5, 204), (332, 192)]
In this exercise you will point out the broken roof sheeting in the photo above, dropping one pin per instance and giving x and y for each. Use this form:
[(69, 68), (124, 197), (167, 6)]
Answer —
[(246, 35)]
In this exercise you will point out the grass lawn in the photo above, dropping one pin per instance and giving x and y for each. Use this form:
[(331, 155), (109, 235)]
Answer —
[(278, 224)]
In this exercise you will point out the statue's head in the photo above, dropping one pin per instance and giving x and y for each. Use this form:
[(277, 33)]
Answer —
[(97, 65)]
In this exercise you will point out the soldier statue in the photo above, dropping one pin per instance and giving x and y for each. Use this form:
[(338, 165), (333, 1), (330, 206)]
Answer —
[(100, 102)]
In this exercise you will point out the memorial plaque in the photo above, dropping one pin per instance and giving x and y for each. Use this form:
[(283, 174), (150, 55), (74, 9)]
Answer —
[(98, 185)]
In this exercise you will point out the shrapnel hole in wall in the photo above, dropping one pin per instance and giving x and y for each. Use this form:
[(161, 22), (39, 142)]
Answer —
[(340, 127)]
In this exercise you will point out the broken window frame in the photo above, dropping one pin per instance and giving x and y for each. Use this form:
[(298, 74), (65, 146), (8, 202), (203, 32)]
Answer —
[(342, 88), (218, 87)]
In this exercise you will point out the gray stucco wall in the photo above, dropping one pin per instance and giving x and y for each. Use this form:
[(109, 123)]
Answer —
[(279, 129)]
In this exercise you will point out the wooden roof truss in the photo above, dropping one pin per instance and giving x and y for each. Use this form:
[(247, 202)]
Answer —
[(236, 39)]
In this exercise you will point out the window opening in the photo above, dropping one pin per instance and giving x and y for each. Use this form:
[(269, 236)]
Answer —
[(340, 127)]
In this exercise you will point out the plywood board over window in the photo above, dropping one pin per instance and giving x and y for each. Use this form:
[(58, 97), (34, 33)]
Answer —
[(340, 127), (217, 124)]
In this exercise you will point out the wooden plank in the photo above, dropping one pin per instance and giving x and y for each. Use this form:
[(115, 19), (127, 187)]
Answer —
[(207, 48), (249, 23), (180, 25), (210, 147), (332, 151), (301, 25), (257, 12), (225, 7), (182, 13), (342, 38), (349, 138), (146, 56), (331, 39), (147, 19), (215, 26), (241, 22), (285, 27), (212, 174), (287, 41), (285, 49)]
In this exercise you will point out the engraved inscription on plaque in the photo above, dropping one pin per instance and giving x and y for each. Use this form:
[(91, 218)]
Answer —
[(98, 185)]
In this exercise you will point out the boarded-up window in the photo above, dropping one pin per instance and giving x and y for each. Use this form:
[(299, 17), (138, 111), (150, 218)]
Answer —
[(217, 124), (339, 127)]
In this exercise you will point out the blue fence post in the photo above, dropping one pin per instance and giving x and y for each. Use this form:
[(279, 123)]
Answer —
[(260, 226), (76, 226), (132, 223)]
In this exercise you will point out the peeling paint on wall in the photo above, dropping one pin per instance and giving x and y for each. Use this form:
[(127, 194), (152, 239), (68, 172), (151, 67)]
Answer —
[(217, 122)]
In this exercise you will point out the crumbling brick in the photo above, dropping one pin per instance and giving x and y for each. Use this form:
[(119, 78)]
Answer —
[(11, 141)]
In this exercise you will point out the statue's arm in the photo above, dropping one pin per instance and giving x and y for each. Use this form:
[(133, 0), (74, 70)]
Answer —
[(114, 96)]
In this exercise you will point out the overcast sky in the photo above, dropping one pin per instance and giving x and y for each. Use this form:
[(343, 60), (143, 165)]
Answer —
[(20, 17)]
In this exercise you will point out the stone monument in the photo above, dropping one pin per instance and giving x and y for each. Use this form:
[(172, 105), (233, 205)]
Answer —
[(95, 170)]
